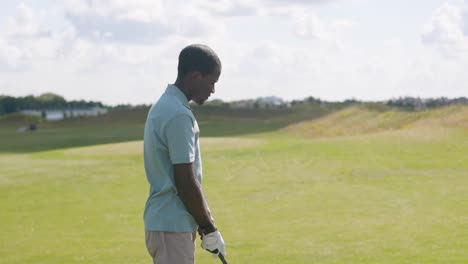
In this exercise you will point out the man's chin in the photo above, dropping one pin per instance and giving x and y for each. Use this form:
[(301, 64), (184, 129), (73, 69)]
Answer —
[(199, 102)]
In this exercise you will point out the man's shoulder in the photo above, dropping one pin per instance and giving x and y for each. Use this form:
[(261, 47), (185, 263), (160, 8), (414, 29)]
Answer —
[(168, 107)]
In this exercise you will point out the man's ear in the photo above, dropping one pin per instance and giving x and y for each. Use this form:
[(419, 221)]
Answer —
[(196, 75)]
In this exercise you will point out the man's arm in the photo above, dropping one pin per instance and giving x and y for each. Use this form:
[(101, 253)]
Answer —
[(191, 194)]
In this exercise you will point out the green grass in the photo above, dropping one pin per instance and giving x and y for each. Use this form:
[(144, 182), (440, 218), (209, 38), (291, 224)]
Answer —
[(363, 119), (17, 119), (391, 197), (68, 136)]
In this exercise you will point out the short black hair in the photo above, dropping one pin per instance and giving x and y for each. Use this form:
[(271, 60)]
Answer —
[(197, 57)]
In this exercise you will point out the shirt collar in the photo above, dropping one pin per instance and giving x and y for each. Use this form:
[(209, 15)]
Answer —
[(175, 91)]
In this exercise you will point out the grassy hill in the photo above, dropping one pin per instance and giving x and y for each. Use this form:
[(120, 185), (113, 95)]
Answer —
[(364, 119)]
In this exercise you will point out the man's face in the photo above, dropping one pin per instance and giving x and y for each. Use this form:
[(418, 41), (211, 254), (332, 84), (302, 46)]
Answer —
[(204, 86)]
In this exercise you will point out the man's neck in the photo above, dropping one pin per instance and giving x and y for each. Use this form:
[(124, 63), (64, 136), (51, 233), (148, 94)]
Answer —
[(183, 88)]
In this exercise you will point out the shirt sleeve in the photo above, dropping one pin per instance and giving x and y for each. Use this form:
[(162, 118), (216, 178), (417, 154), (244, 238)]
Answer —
[(180, 135)]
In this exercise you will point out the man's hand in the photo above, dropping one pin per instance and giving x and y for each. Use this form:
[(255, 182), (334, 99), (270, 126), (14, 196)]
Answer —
[(214, 243)]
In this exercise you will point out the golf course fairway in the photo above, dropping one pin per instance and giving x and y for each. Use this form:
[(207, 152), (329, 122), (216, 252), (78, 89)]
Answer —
[(397, 196)]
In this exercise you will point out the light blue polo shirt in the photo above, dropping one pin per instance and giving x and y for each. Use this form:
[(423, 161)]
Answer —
[(171, 137)]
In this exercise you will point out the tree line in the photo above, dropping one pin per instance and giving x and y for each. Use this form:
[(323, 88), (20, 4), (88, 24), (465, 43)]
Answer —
[(405, 103), (47, 101), (416, 103)]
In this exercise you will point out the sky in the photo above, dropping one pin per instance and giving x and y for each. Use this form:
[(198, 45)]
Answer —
[(125, 52)]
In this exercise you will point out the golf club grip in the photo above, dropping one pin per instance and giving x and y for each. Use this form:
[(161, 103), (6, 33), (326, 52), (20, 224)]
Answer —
[(221, 257)]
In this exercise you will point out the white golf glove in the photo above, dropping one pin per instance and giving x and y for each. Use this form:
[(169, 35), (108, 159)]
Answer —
[(214, 243)]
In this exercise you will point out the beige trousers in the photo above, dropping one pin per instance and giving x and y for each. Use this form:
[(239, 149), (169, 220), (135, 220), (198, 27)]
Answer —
[(171, 247)]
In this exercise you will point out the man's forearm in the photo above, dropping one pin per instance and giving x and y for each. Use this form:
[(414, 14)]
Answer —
[(191, 194)]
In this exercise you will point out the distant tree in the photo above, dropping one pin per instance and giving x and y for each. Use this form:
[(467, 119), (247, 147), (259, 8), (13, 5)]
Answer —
[(8, 105), (121, 106), (256, 105), (53, 101), (351, 101), (295, 102), (313, 100), (415, 103), (215, 102)]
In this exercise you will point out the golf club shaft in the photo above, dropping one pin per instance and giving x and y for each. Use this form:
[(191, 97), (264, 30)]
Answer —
[(221, 257)]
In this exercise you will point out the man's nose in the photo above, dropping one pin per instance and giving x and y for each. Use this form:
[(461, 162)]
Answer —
[(213, 90)]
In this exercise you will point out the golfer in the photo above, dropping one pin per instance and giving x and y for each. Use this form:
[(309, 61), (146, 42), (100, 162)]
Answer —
[(176, 207)]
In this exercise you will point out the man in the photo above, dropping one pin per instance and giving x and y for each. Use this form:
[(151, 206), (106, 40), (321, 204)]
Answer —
[(176, 207)]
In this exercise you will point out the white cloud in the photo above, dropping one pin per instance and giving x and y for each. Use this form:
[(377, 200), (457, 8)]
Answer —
[(138, 22), (114, 20), (307, 24), (230, 8), (109, 29), (239, 8), (9, 57), (25, 39), (136, 10), (465, 16), (302, 18), (25, 23), (101, 34), (447, 30), (298, 2)]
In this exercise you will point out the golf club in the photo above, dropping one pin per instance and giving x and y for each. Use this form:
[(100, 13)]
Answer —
[(221, 257)]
